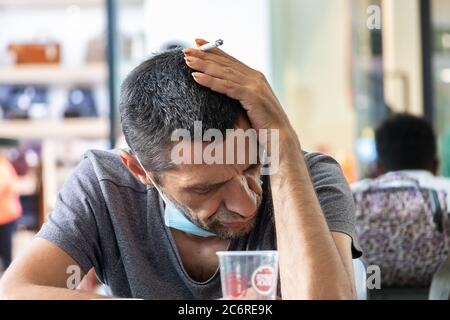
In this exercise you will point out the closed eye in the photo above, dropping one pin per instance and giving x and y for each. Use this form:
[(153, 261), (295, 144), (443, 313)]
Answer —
[(253, 167), (207, 189), (203, 191)]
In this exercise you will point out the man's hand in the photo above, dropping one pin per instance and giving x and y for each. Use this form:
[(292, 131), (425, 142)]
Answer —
[(224, 74)]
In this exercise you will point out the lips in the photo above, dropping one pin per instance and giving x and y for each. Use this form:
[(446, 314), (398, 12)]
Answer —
[(234, 223), (237, 223)]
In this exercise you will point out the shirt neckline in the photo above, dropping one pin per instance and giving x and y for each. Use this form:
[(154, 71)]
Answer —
[(174, 250)]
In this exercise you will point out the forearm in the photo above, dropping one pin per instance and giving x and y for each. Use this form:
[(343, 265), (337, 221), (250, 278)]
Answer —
[(310, 264)]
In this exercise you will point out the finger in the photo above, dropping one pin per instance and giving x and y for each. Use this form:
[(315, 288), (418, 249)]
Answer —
[(227, 87), (213, 52), (207, 55), (216, 70), (199, 42), (222, 60)]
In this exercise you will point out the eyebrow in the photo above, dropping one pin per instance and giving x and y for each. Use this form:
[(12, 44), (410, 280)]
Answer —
[(207, 185)]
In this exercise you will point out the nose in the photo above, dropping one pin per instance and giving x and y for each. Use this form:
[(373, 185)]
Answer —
[(240, 198)]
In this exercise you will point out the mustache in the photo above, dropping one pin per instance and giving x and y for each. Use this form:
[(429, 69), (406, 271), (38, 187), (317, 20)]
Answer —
[(224, 215)]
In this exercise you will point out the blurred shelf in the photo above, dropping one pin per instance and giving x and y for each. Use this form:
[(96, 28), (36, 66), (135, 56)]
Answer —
[(82, 128), (27, 185), (56, 3), (89, 74), (37, 3)]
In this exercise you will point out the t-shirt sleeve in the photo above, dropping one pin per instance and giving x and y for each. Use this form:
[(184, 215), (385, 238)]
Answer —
[(335, 196), (72, 224)]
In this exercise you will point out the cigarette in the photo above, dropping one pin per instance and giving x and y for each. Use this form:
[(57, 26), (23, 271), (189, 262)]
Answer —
[(211, 45)]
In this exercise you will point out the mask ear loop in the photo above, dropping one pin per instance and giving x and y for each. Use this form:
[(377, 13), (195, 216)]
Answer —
[(150, 178)]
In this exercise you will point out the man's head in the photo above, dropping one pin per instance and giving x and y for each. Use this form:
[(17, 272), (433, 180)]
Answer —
[(159, 97), (406, 142)]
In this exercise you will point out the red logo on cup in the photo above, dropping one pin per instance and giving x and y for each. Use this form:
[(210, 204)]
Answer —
[(263, 280), (236, 285)]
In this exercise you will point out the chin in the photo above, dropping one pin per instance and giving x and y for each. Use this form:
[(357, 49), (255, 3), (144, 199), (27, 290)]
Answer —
[(233, 233)]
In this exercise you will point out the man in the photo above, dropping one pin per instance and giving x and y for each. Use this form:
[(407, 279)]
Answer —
[(407, 146), (111, 214)]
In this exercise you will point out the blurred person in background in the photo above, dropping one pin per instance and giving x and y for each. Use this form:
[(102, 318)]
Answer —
[(10, 208), (407, 145), (401, 213)]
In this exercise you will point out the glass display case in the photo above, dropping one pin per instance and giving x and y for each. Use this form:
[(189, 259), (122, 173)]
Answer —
[(53, 91)]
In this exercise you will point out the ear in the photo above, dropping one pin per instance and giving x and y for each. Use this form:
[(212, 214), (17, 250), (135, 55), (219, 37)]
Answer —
[(379, 170), (436, 167), (135, 168)]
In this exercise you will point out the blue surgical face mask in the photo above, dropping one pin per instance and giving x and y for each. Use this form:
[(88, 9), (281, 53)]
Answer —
[(174, 218)]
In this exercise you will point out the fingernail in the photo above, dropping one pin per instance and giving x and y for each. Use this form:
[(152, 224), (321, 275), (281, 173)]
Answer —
[(196, 75)]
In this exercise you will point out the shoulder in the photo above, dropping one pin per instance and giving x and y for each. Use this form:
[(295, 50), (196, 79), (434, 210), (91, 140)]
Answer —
[(327, 177), (106, 165), (322, 166), (441, 182)]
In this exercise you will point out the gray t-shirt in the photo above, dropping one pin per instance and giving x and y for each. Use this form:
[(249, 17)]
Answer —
[(107, 219)]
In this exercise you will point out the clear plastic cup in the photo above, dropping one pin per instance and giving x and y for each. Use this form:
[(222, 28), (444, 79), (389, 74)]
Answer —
[(249, 275)]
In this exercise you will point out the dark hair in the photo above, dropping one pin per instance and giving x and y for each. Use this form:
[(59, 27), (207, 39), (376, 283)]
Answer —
[(406, 142), (160, 96)]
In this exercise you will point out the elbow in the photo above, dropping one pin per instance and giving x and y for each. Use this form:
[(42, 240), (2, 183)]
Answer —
[(346, 296), (321, 296), (345, 293), (342, 292), (332, 296)]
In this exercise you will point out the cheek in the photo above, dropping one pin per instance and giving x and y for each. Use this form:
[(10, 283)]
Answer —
[(254, 183), (207, 212), (203, 207)]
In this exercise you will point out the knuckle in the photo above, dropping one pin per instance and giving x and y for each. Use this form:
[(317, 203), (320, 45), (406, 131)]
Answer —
[(198, 53), (227, 70), (228, 84), (255, 88), (191, 60), (227, 63), (207, 66), (260, 76), (202, 54)]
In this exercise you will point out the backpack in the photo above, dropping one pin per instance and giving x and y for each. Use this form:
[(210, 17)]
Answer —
[(403, 229)]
